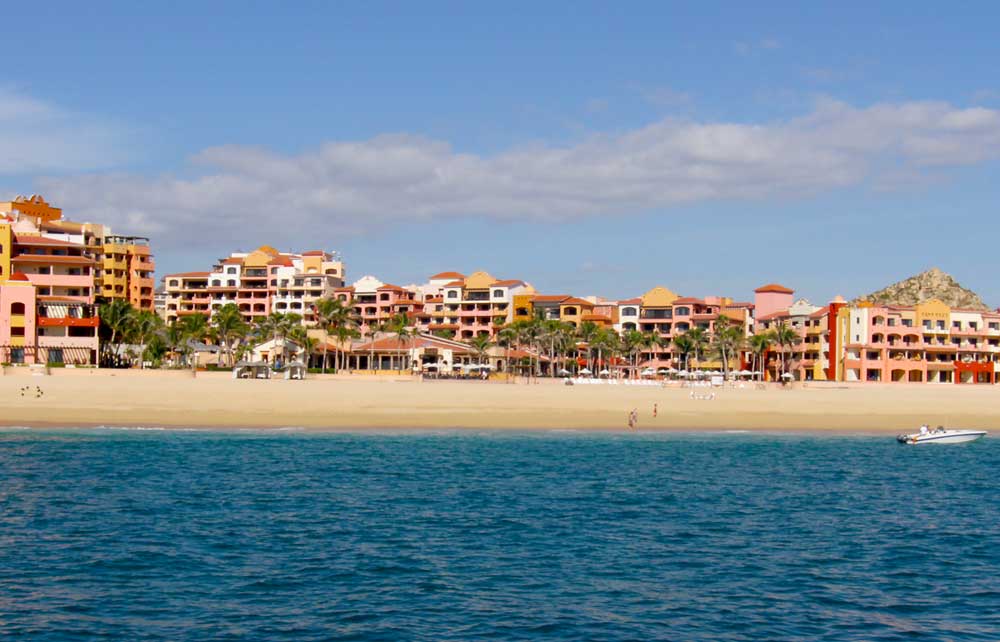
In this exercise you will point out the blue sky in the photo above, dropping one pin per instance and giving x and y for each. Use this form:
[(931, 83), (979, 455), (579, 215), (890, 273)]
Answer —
[(586, 147)]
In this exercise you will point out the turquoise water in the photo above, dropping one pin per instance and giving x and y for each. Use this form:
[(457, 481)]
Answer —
[(207, 536)]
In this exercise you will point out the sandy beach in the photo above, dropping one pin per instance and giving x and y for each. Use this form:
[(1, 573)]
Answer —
[(214, 400)]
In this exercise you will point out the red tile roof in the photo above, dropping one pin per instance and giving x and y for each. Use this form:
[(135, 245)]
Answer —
[(577, 301), (187, 274), (314, 253), (46, 258), (18, 276), (549, 298), (447, 275), (774, 287), (455, 284), (508, 283), (23, 239), (688, 299), (635, 301)]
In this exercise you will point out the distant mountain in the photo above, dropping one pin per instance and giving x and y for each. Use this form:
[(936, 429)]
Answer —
[(932, 284)]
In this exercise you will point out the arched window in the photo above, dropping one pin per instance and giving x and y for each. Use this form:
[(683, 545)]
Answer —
[(571, 311), (682, 311), (17, 308), (628, 312)]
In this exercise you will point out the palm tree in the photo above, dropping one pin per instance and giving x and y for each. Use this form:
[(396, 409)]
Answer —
[(652, 341), (399, 326), (229, 327), (115, 317), (344, 334), (633, 341), (144, 326), (759, 345), (480, 344), (374, 327), (193, 328), (727, 339), (785, 337), (331, 314), (685, 346), (587, 331), (699, 341), (507, 337)]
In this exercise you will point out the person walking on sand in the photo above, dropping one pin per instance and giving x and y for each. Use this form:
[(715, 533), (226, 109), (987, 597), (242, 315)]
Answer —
[(635, 419), (654, 410), (631, 422)]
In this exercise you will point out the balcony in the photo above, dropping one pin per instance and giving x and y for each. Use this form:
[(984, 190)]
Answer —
[(68, 322)]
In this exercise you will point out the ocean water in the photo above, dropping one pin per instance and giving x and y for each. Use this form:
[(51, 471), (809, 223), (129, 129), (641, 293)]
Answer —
[(133, 535)]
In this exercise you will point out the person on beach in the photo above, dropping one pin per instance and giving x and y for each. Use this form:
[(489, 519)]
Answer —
[(654, 410), (631, 422)]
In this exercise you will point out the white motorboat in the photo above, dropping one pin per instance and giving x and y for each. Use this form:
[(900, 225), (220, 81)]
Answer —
[(941, 435)]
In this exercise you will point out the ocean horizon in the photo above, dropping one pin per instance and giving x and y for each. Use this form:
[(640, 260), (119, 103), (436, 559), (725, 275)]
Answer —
[(284, 534)]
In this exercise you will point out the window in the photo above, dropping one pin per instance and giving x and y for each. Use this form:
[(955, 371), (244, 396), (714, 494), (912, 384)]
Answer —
[(957, 325), (45, 270), (230, 270), (17, 332), (892, 322), (497, 294), (216, 283), (628, 312), (231, 283), (453, 294), (174, 284), (682, 311), (17, 308)]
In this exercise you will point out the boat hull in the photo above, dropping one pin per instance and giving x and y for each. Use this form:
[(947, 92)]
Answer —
[(948, 437)]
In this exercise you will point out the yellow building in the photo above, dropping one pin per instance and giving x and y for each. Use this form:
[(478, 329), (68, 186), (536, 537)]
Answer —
[(124, 264)]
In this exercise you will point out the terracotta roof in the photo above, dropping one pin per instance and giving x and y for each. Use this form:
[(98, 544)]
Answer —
[(774, 315), (23, 239), (549, 298), (233, 259), (822, 312), (18, 276), (282, 260), (774, 287), (447, 275), (508, 283), (576, 301), (47, 258), (687, 299), (390, 286), (635, 301), (314, 253), (434, 298), (392, 344), (455, 284), (187, 274)]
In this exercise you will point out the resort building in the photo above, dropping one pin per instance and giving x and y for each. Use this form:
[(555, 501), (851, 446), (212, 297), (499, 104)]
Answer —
[(480, 304), (258, 282), (123, 265), (47, 292), (375, 302)]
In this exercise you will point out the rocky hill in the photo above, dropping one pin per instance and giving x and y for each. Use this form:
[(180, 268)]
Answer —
[(932, 284)]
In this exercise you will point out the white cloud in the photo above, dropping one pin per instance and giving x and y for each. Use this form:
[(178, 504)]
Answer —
[(41, 137), (247, 195)]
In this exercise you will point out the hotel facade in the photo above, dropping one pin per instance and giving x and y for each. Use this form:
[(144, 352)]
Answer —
[(53, 272)]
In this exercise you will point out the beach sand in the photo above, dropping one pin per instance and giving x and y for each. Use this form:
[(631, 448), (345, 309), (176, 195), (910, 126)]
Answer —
[(214, 400)]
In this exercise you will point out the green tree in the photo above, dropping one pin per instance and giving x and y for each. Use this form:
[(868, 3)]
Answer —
[(480, 344), (784, 336), (684, 347), (699, 341), (507, 337), (144, 325), (229, 327), (759, 345), (116, 316), (633, 343), (399, 325), (331, 315), (194, 328), (727, 340)]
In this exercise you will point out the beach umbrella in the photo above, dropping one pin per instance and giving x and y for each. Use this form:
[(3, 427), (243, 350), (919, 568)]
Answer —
[(564, 372), (682, 373), (586, 371), (787, 375), (605, 372), (664, 371)]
